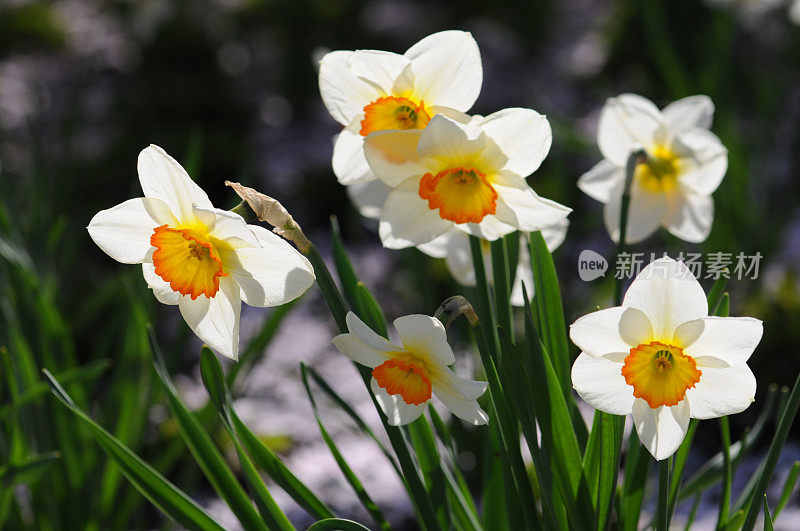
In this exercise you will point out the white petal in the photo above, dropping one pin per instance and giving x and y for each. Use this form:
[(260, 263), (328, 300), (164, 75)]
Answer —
[(669, 294), (355, 349), (490, 228), (627, 122), (519, 206), (600, 383), (358, 328), (690, 216), (522, 135), (600, 182), (722, 391), (392, 155), (407, 220), (216, 320), (454, 247), (123, 232), (161, 289), (394, 407), (554, 235), (425, 335), (451, 393), (349, 164), (598, 333), (688, 113), (661, 430), (634, 327), (646, 212), (386, 72), (345, 95), (447, 68), (729, 339), (163, 178), (704, 161), (224, 224), (369, 197), (688, 332), (451, 141), (271, 273)]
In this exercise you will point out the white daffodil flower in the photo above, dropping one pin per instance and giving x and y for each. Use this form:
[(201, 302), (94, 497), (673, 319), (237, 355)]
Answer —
[(406, 376), (205, 260), (454, 247), (466, 174), (686, 163), (371, 90), (661, 358)]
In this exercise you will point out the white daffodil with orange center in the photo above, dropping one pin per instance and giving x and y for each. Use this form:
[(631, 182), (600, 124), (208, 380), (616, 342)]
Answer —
[(205, 260), (663, 359), (672, 188), (454, 247), (406, 376), (466, 174), (371, 90)]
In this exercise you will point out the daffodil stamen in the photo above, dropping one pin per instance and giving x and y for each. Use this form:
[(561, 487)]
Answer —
[(189, 264), (660, 172), (660, 373), (462, 195), (392, 112)]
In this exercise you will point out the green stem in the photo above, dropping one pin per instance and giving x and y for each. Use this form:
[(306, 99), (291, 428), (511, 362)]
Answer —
[(662, 512), (725, 498), (634, 159)]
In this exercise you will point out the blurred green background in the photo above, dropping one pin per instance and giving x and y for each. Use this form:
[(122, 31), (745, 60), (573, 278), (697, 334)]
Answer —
[(229, 88)]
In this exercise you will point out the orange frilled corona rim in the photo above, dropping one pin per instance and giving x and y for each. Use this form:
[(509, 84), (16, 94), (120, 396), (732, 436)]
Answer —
[(392, 112), (462, 195), (190, 265), (660, 373), (404, 376)]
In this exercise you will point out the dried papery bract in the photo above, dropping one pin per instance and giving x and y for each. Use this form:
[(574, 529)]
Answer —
[(270, 211)]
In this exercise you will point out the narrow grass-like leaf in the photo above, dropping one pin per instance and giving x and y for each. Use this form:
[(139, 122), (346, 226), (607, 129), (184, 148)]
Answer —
[(167, 497), (502, 286), (430, 463), (558, 437), (692, 512), (637, 466), (662, 508), (344, 268), (547, 298), (214, 382), (337, 524), (369, 310), (355, 417), (208, 457), (87, 372), (679, 459), (771, 459), (788, 488), (349, 475), (25, 470), (711, 471), (259, 343), (768, 525), (715, 294)]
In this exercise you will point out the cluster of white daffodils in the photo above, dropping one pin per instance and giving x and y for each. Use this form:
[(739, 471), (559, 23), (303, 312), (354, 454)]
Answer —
[(685, 163), (406, 376), (661, 358), (414, 160), (205, 260)]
